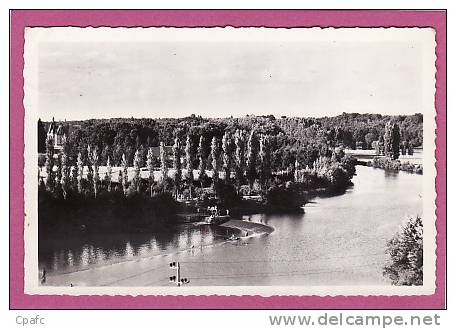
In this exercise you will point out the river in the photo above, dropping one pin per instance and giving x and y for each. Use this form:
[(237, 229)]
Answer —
[(339, 240)]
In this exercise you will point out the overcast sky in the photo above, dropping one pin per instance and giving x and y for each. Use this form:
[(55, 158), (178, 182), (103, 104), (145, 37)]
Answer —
[(101, 78)]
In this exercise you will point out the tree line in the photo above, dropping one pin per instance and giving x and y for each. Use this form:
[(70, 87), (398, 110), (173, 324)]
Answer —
[(242, 158), (304, 139), (241, 161)]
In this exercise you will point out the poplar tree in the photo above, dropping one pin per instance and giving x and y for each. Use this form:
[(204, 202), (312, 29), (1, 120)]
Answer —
[(150, 166), (392, 140), (49, 164), (119, 176), (164, 165), (80, 172), (265, 159), (296, 170), (58, 172), (74, 175), (137, 170), (252, 153), (215, 155), (227, 153), (202, 161), (177, 166), (381, 145), (376, 147), (240, 158), (96, 176), (108, 174), (396, 140), (105, 153), (64, 182), (124, 173), (89, 165), (189, 162)]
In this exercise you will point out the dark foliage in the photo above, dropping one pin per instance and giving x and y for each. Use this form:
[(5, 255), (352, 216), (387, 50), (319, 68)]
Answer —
[(227, 194), (395, 165), (109, 212), (406, 252), (288, 195), (41, 137)]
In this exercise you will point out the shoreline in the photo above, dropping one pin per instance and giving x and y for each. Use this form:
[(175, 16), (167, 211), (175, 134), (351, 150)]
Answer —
[(250, 229)]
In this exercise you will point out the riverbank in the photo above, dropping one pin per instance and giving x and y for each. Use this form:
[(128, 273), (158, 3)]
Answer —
[(395, 165), (114, 213)]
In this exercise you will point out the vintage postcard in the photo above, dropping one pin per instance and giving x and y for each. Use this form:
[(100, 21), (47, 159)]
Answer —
[(230, 161)]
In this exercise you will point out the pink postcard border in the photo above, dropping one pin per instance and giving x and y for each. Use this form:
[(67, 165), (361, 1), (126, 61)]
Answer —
[(19, 19)]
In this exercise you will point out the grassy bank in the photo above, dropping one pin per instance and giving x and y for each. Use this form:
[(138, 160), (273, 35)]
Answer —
[(395, 165)]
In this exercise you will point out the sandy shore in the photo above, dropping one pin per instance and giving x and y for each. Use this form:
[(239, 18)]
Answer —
[(248, 228)]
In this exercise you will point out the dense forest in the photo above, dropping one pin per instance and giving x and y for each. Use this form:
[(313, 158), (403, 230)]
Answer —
[(302, 139)]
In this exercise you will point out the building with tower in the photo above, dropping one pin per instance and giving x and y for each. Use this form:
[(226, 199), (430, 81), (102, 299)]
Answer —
[(58, 134)]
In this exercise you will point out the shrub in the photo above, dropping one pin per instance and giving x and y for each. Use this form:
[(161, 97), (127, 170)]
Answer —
[(395, 165), (227, 194), (338, 178), (348, 163), (309, 180), (406, 252), (203, 181), (244, 190), (419, 169), (286, 195)]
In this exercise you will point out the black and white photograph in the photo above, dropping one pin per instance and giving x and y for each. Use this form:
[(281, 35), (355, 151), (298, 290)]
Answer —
[(232, 161)]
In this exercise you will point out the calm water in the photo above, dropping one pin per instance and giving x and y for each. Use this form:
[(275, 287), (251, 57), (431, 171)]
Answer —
[(340, 240)]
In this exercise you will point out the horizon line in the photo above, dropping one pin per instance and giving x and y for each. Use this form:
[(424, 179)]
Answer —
[(230, 117)]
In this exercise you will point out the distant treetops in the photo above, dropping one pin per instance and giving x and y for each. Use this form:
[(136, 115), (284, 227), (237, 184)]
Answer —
[(291, 138)]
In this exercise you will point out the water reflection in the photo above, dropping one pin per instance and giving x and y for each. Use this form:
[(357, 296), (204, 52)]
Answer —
[(78, 252), (389, 174)]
